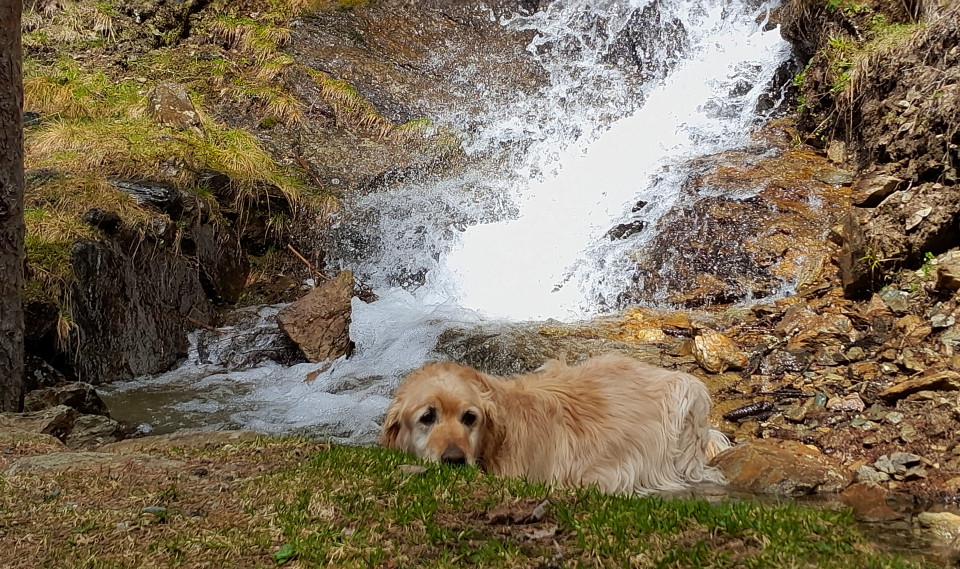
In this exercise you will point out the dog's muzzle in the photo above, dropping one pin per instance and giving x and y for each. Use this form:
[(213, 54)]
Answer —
[(453, 455)]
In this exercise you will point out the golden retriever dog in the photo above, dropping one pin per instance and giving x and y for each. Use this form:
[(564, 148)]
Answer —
[(613, 421)]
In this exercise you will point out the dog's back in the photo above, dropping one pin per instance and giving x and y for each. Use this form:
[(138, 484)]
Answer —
[(614, 421)]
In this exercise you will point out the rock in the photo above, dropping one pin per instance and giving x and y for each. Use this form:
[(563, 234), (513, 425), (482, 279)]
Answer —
[(37, 372), (795, 413), (911, 330), (896, 300), (131, 306), (849, 402), (160, 196), (944, 526), (770, 466), (868, 501), (221, 259), (78, 395), (940, 321), (756, 411), (939, 381), (170, 105), (56, 421), (808, 330), (506, 349), (870, 474), (948, 271), (106, 221), (779, 362), (187, 439), (89, 431), (64, 461), (873, 188), (320, 321), (254, 338), (901, 466), (857, 271), (716, 352)]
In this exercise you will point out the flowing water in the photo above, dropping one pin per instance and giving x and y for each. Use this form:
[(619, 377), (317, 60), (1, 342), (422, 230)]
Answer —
[(635, 90)]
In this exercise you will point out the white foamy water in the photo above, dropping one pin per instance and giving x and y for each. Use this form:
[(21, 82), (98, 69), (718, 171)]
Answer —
[(523, 240)]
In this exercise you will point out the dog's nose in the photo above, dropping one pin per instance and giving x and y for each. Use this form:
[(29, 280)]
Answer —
[(453, 455)]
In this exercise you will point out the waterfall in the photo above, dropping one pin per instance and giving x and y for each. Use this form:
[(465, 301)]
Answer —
[(635, 89)]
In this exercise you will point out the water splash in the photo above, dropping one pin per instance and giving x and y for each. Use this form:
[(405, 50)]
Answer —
[(635, 89)]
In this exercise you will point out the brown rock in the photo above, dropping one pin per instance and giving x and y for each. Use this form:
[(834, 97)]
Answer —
[(716, 353), (948, 271), (941, 381), (770, 466), (320, 321), (911, 330), (170, 105), (869, 502), (811, 330), (873, 188)]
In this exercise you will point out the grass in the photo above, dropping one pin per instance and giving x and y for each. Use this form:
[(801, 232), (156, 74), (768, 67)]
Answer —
[(305, 504)]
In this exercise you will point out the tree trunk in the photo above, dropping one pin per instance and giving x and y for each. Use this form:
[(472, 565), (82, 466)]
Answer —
[(11, 208)]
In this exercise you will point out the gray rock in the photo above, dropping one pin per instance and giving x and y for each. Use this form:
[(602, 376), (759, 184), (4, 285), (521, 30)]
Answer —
[(80, 396), (896, 300), (56, 421), (91, 431), (869, 474)]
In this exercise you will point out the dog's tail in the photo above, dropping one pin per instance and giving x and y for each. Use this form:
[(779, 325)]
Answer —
[(717, 443)]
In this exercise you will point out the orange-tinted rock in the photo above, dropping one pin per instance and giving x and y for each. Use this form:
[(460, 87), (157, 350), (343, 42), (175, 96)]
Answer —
[(868, 501), (717, 353), (770, 466), (320, 321)]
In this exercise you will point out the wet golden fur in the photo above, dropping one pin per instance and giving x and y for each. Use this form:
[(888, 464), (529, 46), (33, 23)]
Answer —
[(613, 421)]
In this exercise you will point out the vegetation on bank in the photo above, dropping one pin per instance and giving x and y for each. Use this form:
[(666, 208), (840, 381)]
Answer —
[(295, 503), (88, 70)]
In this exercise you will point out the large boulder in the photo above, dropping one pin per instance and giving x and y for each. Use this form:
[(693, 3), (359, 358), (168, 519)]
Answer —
[(133, 307), (320, 321), (78, 395), (789, 468)]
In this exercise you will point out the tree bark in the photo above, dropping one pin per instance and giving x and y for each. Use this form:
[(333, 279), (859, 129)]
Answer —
[(11, 207)]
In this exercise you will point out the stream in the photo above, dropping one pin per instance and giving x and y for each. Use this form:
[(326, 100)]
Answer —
[(520, 236)]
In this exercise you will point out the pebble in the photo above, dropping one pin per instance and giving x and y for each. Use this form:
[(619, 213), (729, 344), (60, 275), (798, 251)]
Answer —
[(869, 474)]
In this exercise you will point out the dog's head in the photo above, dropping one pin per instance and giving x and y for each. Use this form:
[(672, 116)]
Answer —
[(442, 412)]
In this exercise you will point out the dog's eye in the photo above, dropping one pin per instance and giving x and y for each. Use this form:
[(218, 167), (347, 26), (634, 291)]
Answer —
[(469, 418), (429, 417)]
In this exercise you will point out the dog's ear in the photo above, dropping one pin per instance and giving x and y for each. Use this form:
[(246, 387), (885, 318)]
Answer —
[(482, 381), (492, 433), (390, 432)]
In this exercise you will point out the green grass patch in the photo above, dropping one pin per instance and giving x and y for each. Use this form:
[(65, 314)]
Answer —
[(354, 508), (297, 503)]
